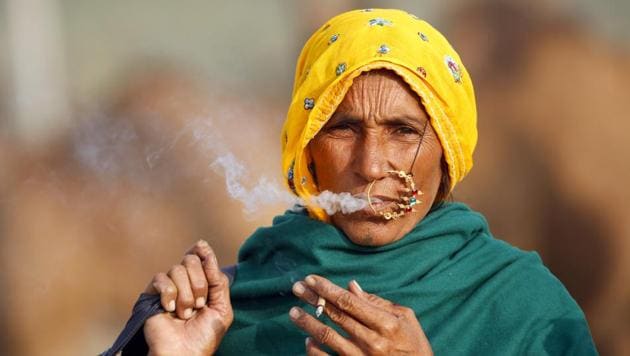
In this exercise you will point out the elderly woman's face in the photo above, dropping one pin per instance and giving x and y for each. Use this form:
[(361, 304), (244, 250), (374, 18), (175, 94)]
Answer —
[(377, 128)]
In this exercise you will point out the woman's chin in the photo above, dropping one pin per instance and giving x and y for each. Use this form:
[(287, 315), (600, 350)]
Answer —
[(369, 230)]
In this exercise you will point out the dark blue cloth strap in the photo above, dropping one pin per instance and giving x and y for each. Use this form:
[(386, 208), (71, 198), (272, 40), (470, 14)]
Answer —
[(131, 339)]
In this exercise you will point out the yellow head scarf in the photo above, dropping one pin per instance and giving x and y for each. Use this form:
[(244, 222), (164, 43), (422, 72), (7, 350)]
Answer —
[(362, 40)]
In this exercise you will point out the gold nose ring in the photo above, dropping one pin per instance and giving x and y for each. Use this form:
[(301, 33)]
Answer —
[(407, 200), (369, 199)]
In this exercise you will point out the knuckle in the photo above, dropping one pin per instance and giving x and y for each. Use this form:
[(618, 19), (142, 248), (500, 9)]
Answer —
[(198, 285), (336, 315), (198, 247), (158, 283), (408, 312), (201, 244), (159, 278), (155, 285), (344, 301), (325, 335), (373, 298), (389, 326), (379, 347), (176, 269), (169, 291), (163, 284), (191, 260)]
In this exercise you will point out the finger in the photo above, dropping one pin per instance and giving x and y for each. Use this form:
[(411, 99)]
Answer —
[(164, 286), (197, 277), (355, 288), (301, 291), (322, 333), (184, 301), (360, 309), (357, 331), (218, 286), (201, 248), (313, 348)]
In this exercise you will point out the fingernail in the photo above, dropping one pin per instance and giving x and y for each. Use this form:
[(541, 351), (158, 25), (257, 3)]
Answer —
[(294, 313), (298, 288), (200, 302), (356, 284), (310, 280), (171, 306), (187, 313), (307, 341)]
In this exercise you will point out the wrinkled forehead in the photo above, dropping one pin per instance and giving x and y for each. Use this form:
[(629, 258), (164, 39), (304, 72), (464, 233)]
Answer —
[(381, 92), (380, 78)]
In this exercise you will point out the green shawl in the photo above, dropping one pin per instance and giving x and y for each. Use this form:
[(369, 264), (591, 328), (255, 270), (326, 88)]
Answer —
[(472, 293)]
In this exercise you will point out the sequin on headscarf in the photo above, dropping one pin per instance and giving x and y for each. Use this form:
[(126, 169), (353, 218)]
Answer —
[(291, 176), (383, 49), (340, 68), (379, 22), (309, 103), (422, 72), (453, 67)]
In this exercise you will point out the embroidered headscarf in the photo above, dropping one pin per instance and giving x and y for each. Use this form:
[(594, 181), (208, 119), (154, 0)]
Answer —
[(362, 40)]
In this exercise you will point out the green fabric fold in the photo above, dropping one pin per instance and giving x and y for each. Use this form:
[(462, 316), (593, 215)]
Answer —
[(472, 293)]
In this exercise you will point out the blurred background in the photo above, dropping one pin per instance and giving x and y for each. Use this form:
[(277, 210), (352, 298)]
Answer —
[(113, 115)]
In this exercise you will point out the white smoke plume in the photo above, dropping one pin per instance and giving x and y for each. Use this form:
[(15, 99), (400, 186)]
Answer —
[(114, 148), (264, 192), (269, 192)]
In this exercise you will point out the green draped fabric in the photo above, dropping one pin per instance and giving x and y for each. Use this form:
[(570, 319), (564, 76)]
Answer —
[(473, 294)]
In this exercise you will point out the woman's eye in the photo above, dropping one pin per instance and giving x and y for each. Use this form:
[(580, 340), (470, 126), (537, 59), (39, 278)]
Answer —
[(341, 128), (406, 130)]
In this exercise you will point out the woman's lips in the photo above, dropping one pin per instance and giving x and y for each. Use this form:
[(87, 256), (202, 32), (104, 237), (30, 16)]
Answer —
[(382, 204), (379, 203), (375, 198)]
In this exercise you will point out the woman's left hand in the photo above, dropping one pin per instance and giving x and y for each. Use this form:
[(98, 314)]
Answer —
[(375, 326)]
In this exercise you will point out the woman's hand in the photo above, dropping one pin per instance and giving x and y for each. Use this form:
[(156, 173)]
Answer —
[(197, 294), (375, 326)]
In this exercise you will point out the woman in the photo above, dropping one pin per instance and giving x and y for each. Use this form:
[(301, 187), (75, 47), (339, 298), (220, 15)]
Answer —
[(383, 109)]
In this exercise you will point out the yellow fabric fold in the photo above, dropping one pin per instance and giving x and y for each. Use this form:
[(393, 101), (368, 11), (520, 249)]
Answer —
[(362, 40)]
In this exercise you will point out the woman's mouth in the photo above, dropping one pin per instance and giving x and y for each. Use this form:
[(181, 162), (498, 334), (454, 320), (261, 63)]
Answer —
[(376, 203)]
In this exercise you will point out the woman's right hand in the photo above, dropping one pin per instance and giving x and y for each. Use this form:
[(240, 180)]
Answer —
[(197, 295)]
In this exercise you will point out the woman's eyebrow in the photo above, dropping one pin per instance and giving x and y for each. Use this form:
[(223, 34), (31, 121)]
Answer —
[(389, 121), (404, 120), (345, 118)]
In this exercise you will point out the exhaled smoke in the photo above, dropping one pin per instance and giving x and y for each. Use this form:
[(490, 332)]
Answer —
[(345, 203), (113, 148), (270, 192), (264, 192)]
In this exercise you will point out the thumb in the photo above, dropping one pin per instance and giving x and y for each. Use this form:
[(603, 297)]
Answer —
[(218, 285)]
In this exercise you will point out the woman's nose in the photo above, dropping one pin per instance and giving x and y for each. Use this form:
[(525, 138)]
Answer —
[(371, 159)]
